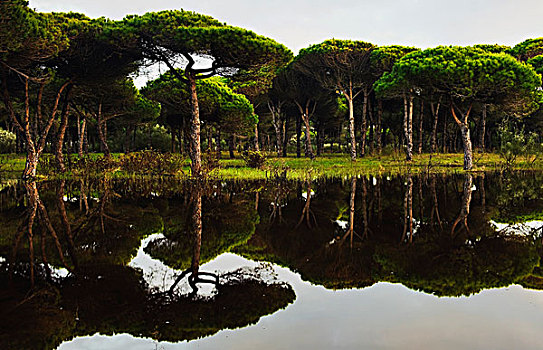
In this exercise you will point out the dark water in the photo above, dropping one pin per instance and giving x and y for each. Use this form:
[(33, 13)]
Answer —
[(412, 262)]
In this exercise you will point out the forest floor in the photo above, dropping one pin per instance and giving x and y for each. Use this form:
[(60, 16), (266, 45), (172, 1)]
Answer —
[(328, 165)]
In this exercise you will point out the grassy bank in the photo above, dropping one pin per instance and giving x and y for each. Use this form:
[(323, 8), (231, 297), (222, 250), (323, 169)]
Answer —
[(11, 166)]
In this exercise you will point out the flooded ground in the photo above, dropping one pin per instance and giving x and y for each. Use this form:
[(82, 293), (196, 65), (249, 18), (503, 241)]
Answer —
[(409, 262)]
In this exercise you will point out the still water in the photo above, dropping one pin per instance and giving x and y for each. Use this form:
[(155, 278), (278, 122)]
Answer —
[(407, 262)]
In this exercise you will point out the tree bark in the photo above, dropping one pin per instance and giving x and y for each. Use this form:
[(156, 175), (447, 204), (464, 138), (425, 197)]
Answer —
[(466, 140), (421, 119), (364, 123), (483, 129), (101, 133), (408, 125), (285, 136), (257, 146), (62, 130), (435, 112), (231, 142), (298, 137), (352, 132), (276, 121), (378, 133), (195, 152)]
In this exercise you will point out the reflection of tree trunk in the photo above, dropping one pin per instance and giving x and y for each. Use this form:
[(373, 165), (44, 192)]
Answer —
[(482, 191), (466, 200), (307, 214), (196, 230), (66, 222), (435, 113), (350, 231), (435, 208), (408, 211), (364, 208)]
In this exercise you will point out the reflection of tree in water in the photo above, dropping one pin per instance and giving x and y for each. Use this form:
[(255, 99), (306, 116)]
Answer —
[(475, 257), (102, 294)]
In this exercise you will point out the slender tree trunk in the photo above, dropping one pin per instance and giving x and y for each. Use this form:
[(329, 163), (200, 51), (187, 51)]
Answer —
[(195, 152), (62, 130), (298, 137), (483, 129), (276, 121), (101, 132), (435, 114), (352, 132), (309, 147), (219, 146), (408, 125), (364, 123), (421, 119), (319, 140), (378, 133), (257, 146), (285, 136), (231, 142)]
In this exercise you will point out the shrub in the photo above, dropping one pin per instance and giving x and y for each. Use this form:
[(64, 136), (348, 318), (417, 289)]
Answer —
[(152, 162), (254, 159), (7, 141)]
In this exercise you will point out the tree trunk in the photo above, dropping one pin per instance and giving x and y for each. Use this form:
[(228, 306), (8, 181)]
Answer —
[(378, 135), (319, 140), (195, 152), (421, 118), (435, 113), (309, 147), (62, 130), (101, 133), (364, 123), (352, 133), (285, 136), (231, 142), (298, 137), (483, 129), (219, 146), (276, 121), (466, 140), (408, 125), (257, 146)]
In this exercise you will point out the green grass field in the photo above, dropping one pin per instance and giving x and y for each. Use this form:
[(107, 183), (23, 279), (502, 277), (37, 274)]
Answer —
[(330, 165)]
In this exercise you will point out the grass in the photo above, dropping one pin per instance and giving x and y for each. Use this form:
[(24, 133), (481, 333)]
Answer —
[(329, 165)]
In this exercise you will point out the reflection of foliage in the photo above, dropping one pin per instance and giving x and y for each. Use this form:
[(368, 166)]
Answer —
[(114, 299), (519, 198), (225, 225), (459, 269)]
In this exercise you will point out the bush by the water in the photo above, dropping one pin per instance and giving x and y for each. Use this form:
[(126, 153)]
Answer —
[(7, 141), (254, 159)]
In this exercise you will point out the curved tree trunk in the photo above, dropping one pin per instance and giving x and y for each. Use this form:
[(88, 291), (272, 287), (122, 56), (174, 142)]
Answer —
[(195, 152), (298, 137), (62, 130), (466, 139)]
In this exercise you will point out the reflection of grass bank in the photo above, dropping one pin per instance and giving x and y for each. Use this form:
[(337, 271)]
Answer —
[(298, 168)]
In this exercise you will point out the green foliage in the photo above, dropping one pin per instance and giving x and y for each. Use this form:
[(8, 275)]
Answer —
[(493, 48), (527, 49), (537, 63), (7, 141), (152, 162), (466, 74), (254, 159), (218, 103), (516, 142)]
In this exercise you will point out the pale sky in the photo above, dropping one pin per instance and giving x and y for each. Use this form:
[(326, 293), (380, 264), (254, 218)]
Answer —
[(299, 23)]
